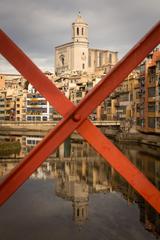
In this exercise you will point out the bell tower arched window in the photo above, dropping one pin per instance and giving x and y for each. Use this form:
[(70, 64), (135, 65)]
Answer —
[(77, 31), (82, 31), (110, 58)]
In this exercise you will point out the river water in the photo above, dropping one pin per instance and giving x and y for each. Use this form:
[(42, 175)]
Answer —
[(75, 194)]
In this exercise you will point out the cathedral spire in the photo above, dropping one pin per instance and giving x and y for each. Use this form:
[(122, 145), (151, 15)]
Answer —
[(80, 29)]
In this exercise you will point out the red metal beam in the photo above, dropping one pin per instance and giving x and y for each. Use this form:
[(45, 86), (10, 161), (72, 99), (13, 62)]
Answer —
[(99, 142)]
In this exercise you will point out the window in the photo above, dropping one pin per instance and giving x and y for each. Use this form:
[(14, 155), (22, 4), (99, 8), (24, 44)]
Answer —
[(151, 107), (137, 94), (100, 59), (142, 68), (78, 212), (158, 107), (158, 122), (18, 105), (82, 211), (44, 118), (89, 59), (152, 74), (151, 122), (29, 118), (158, 65), (18, 112), (110, 58), (62, 59), (151, 92), (82, 31), (77, 31), (124, 97), (78, 94), (83, 66), (138, 121), (138, 107)]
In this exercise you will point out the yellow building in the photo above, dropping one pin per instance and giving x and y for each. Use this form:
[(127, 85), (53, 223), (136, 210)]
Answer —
[(123, 100), (2, 81), (20, 104), (2, 105)]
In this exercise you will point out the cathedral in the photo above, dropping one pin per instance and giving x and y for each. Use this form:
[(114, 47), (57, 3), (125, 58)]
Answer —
[(76, 56)]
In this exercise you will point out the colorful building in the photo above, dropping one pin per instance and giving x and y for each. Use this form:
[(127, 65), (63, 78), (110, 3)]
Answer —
[(37, 107), (149, 107)]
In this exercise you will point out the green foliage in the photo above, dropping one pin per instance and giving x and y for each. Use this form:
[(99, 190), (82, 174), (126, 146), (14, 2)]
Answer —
[(8, 148)]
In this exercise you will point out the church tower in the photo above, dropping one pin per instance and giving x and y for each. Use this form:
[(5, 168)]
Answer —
[(73, 56), (80, 30), (81, 44), (80, 211)]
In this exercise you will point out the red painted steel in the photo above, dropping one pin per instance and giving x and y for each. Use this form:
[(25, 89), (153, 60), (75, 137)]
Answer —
[(74, 116)]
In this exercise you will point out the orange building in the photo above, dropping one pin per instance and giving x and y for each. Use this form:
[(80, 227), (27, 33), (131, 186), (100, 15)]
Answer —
[(149, 80), (2, 81)]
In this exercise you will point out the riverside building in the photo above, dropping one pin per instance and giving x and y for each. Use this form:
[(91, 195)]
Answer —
[(149, 107)]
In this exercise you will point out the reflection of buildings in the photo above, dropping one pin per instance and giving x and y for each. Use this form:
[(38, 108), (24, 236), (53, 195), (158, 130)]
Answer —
[(86, 172), (150, 165), (70, 187), (83, 173), (79, 171)]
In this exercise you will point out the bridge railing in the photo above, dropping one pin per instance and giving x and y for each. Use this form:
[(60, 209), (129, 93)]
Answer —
[(75, 117), (19, 123)]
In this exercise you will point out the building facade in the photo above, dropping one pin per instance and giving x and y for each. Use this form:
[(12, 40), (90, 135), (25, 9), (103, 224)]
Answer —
[(149, 103), (37, 107), (77, 56)]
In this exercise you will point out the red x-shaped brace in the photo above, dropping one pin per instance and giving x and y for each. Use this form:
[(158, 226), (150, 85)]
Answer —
[(75, 118)]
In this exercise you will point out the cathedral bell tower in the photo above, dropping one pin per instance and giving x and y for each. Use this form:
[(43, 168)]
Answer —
[(80, 30), (73, 56), (80, 43)]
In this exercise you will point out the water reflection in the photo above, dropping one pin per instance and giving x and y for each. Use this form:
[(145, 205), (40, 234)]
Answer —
[(78, 172)]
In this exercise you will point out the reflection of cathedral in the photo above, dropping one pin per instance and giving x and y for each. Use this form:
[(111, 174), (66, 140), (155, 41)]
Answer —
[(78, 172), (79, 176), (69, 186), (80, 213)]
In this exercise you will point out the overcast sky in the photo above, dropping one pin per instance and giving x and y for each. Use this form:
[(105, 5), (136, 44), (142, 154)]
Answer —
[(37, 26)]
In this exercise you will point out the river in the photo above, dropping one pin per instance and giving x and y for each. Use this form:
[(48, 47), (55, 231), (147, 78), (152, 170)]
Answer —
[(75, 194)]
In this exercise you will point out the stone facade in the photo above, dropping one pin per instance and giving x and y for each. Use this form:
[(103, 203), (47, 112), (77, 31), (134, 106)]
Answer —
[(77, 56)]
